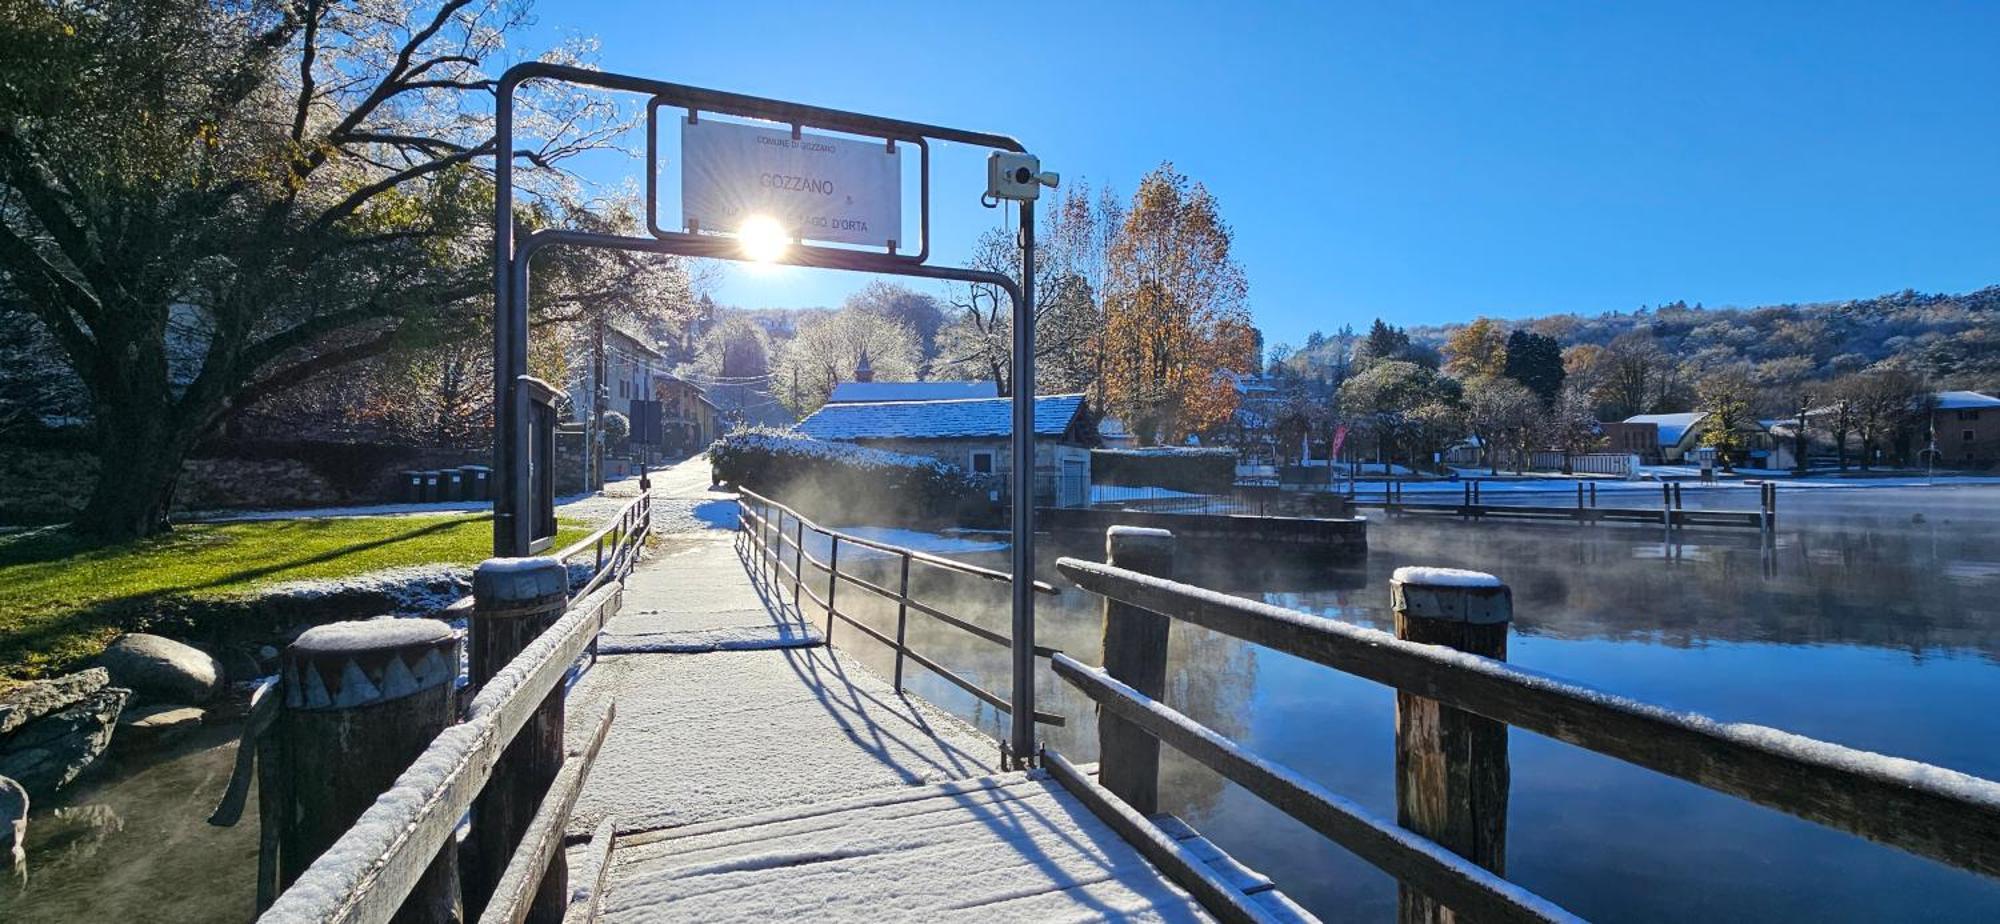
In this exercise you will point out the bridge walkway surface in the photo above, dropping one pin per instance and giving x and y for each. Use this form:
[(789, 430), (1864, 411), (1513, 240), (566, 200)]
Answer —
[(755, 773)]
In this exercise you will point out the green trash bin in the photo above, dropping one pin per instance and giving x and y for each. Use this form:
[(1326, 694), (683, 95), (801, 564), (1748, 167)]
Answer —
[(451, 485), (413, 486)]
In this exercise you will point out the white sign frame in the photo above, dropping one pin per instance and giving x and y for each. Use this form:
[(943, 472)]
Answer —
[(818, 187)]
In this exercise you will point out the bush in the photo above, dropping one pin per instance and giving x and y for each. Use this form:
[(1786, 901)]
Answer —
[(841, 482), (1198, 470)]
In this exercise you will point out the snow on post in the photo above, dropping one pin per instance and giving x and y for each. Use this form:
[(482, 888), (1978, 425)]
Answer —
[(1451, 766), (362, 700)]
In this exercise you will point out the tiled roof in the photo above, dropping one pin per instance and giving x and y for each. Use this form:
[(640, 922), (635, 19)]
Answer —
[(980, 417), (848, 392)]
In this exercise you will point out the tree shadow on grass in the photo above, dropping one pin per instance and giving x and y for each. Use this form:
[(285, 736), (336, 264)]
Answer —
[(182, 606)]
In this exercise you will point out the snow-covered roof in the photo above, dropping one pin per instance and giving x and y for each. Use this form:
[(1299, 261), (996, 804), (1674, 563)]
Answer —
[(1672, 426), (1965, 401), (937, 419), (850, 392)]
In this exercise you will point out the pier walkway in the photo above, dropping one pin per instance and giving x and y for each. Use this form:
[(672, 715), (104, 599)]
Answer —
[(754, 773)]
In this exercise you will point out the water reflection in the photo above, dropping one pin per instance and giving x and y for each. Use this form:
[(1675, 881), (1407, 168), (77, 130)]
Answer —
[(1871, 621)]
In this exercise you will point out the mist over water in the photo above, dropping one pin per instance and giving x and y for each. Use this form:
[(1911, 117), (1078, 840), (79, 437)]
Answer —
[(1875, 623)]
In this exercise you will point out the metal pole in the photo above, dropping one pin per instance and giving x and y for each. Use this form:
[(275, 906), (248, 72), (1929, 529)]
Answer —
[(902, 618), (506, 466), (1021, 737)]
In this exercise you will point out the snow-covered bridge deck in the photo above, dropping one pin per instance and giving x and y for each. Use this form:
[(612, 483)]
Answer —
[(754, 773)]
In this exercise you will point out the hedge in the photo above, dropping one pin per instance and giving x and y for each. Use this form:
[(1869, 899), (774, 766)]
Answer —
[(841, 483), (1202, 470)]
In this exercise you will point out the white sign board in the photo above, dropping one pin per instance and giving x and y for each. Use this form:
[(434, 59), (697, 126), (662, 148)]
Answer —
[(821, 188)]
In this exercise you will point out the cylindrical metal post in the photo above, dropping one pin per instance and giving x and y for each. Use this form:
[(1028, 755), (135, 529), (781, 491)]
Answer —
[(362, 700), (1021, 724), (798, 559), (1451, 765), (514, 601), (1135, 653), (902, 617), (832, 583)]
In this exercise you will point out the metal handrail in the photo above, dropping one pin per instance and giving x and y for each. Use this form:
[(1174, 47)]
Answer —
[(768, 540), (1041, 587)]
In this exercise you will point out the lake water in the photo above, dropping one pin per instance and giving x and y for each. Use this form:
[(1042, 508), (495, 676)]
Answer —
[(1874, 623)]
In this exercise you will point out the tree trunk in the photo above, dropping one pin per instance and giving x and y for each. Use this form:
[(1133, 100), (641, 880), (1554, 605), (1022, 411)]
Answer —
[(139, 450)]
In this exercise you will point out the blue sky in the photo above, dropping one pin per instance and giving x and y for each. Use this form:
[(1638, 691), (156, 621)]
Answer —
[(1426, 162)]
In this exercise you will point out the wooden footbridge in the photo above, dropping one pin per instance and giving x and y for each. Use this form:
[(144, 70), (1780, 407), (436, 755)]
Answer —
[(681, 743)]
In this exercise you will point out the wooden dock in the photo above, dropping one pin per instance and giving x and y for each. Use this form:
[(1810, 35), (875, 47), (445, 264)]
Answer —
[(756, 774), (716, 760)]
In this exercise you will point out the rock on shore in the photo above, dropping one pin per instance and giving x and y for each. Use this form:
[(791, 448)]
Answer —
[(161, 670), (50, 730)]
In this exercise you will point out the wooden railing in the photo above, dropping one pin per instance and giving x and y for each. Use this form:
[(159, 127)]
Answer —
[(767, 527), (504, 761), (1452, 798)]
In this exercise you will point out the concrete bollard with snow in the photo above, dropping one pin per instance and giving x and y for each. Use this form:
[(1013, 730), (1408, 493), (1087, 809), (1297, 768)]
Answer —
[(1135, 653), (1451, 766), (361, 701), (515, 600)]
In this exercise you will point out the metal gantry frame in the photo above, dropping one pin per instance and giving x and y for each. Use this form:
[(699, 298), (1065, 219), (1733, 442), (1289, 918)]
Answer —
[(512, 527)]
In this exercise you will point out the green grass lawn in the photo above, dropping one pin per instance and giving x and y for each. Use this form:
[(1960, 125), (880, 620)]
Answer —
[(62, 599)]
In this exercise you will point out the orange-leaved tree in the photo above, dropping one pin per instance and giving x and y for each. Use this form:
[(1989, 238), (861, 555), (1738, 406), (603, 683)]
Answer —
[(1175, 315)]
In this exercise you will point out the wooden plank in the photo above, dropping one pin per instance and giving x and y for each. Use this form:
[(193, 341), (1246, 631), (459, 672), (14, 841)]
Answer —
[(1171, 856), (1241, 877), (513, 896), (1931, 811), (1402, 854), (601, 842)]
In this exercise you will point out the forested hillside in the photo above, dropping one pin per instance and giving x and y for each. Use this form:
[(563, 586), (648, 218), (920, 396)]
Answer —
[(1951, 340)]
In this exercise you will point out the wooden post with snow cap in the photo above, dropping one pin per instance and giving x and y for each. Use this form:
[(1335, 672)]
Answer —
[(514, 600), (361, 701), (1451, 765), (1135, 653)]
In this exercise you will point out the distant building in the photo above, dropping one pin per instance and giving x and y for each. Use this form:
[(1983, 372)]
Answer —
[(974, 434), (1964, 430), (1675, 436), (681, 418), (864, 388)]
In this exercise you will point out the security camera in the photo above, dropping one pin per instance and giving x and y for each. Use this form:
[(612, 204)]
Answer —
[(1017, 176)]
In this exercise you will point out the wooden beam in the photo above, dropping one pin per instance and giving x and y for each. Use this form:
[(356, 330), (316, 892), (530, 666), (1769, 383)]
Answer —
[(1403, 854), (1931, 811)]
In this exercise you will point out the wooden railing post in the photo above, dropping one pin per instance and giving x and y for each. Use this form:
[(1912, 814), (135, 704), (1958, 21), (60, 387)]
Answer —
[(1451, 765), (362, 700), (1135, 653), (514, 601)]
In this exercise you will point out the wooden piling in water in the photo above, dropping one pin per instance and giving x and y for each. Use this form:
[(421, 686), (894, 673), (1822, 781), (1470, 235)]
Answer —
[(1135, 653), (362, 700), (1451, 766), (514, 601)]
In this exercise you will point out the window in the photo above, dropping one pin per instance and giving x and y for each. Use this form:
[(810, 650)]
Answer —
[(1968, 415), (982, 463), (1968, 436)]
